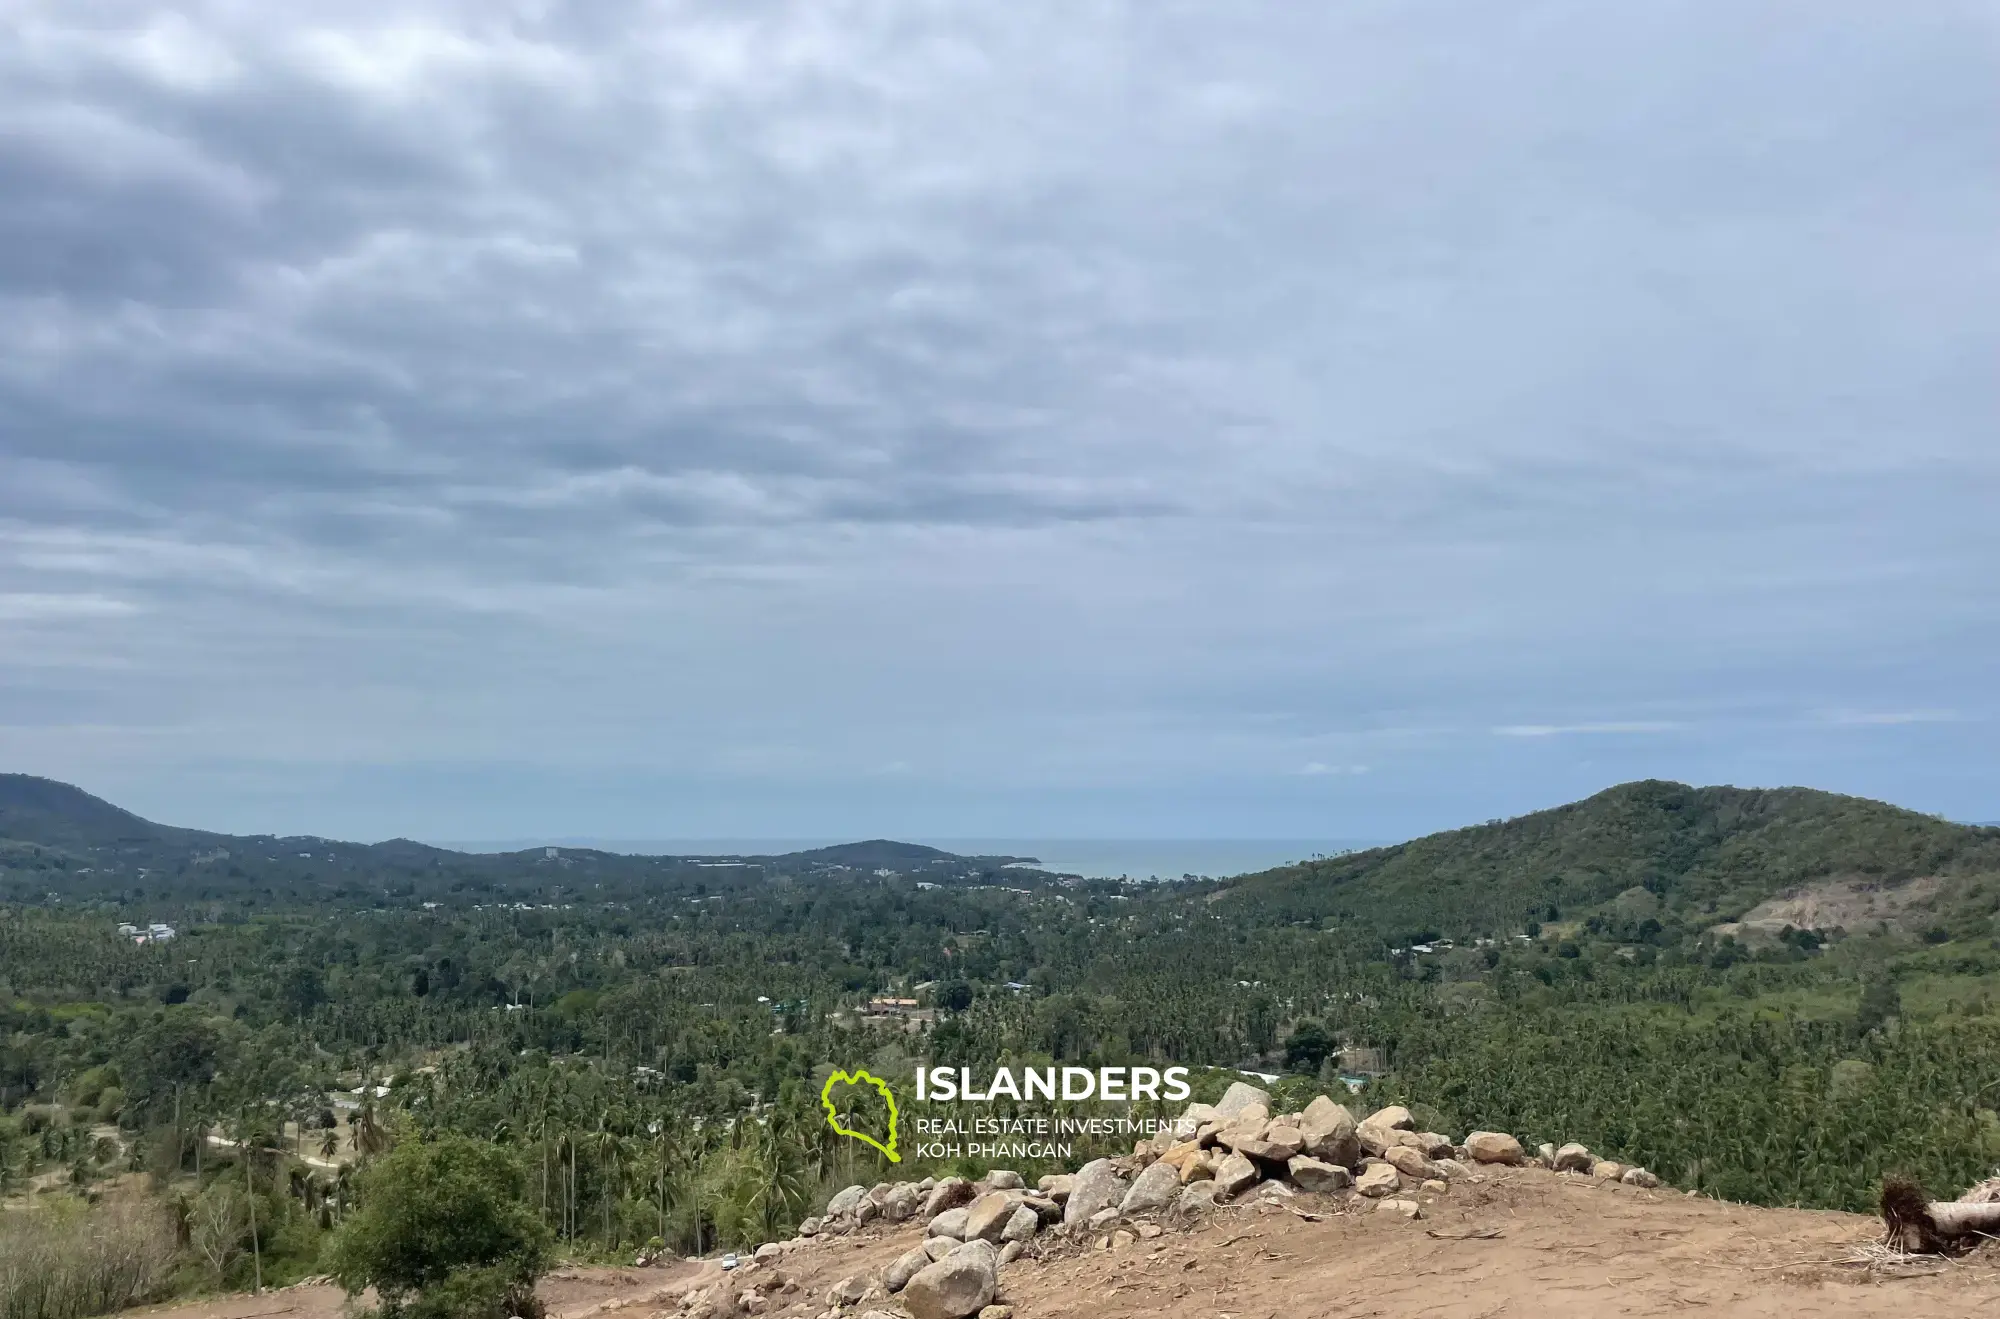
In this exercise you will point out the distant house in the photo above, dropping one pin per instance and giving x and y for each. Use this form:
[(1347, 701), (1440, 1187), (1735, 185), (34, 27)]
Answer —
[(128, 929), (888, 1007)]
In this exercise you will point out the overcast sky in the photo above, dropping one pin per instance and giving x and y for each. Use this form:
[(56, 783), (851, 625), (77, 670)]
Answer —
[(995, 417)]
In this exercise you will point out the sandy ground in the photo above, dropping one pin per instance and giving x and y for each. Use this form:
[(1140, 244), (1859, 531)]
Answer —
[(1520, 1243)]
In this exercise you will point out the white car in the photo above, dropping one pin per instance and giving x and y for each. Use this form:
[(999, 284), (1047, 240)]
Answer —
[(730, 1261)]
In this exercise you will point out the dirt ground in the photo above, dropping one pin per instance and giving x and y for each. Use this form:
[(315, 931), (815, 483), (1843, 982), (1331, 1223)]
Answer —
[(1520, 1243)]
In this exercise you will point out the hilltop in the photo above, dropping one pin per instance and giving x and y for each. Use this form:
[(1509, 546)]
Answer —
[(1658, 850), (57, 838)]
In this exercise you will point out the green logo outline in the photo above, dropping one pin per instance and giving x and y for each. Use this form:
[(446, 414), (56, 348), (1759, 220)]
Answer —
[(833, 1117)]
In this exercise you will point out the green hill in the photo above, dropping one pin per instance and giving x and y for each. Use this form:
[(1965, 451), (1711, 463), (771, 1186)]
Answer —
[(1704, 855)]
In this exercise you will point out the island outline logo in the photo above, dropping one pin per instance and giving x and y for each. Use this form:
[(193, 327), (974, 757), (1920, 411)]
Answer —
[(861, 1077)]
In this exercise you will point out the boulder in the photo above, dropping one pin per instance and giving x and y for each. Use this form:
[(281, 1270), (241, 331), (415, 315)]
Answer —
[(1434, 1145), (769, 1253), (1240, 1096), (901, 1203), (1572, 1158), (1395, 1117), (844, 1201), (1000, 1179), (1236, 1175), (939, 1247), (1640, 1177), (1410, 1161), (1056, 1186), (1310, 1174), (960, 1284), (1012, 1251), (987, 1218), (810, 1227), (1153, 1189), (1494, 1147), (848, 1291), (1201, 1168), (1378, 1179), (1097, 1186), (1328, 1131), (1104, 1218), (1197, 1197), (1021, 1225), (867, 1211), (1607, 1170), (1545, 1154), (906, 1267), (1455, 1170), (950, 1223), (948, 1194), (1286, 1137)]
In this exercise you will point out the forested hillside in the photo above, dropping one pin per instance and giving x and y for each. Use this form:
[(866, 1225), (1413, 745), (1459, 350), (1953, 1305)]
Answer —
[(1706, 855), (648, 1034)]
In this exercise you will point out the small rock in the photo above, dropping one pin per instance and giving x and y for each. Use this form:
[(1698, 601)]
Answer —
[(997, 1312), (1640, 1177), (1545, 1154), (1104, 1218), (1121, 1239), (938, 1247), (1056, 1186), (1434, 1145), (809, 1227), (845, 1200), (1378, 1179), (1435, 1187), (1147, 1231), (1011, 1251), (1407, 1208), (1197, 1197), (1000, 1179)]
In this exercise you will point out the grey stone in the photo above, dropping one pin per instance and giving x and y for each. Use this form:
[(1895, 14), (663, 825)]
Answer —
[(950, 1223), (1155, 1188), (960, 1284), (1096, 1186)]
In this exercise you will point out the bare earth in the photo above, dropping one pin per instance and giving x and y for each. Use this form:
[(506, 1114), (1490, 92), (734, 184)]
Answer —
[(1566, 1248)]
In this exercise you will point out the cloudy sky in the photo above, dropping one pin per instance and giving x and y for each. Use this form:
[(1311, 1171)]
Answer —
[(694, 418)]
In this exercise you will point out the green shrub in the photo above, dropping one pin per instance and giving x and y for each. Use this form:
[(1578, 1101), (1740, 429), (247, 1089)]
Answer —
[(443, 1231)]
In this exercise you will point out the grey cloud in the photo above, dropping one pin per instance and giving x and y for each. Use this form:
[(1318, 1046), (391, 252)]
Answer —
[(1111, 395)]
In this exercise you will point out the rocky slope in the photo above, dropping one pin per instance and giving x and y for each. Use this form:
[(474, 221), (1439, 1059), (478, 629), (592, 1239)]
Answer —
[(1241, 1212)]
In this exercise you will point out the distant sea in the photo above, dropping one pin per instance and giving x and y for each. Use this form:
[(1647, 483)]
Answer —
[(1094, 858)]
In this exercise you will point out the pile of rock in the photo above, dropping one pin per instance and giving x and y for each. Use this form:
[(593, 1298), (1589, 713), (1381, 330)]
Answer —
[(1233, 1152)]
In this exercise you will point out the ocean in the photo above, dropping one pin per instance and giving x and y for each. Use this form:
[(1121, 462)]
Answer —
[(1094, 858)]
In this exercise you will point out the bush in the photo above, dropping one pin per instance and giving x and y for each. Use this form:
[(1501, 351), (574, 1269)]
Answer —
[(444, 1231), (65, 1262)]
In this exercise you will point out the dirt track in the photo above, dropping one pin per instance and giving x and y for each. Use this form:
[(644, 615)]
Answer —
[(1566, 1248)]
